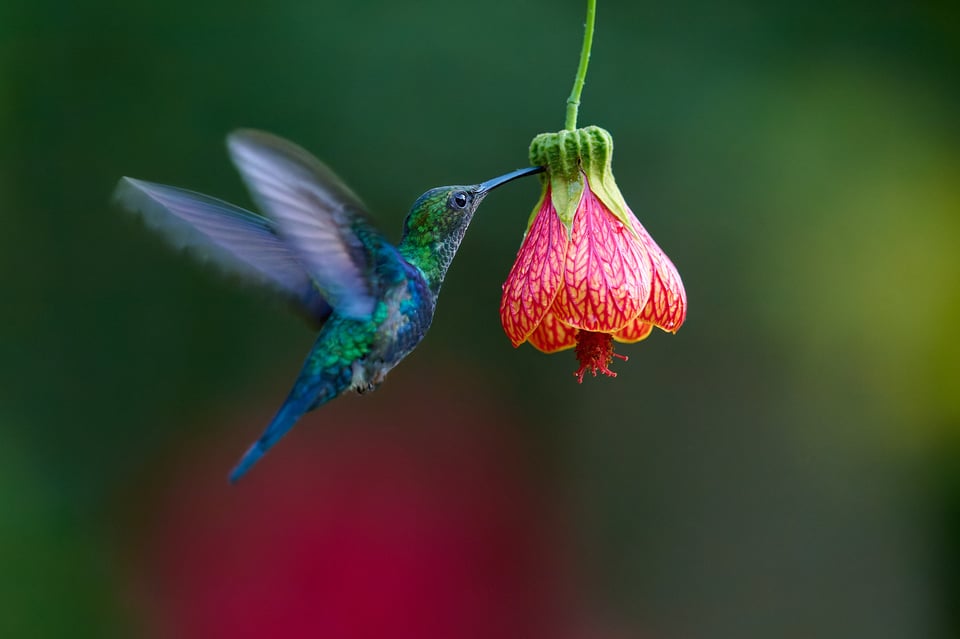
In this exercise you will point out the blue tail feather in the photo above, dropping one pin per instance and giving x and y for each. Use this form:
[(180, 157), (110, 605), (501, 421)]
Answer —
[(306, 395), (288, 415)]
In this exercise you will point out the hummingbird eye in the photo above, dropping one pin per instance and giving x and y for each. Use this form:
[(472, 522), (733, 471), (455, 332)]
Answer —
[(459, 200)]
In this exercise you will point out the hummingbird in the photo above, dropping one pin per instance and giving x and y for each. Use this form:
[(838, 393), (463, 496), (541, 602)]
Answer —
[(372, 302)]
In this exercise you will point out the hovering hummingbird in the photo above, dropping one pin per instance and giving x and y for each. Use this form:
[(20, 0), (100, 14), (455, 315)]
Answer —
[(371, 301)]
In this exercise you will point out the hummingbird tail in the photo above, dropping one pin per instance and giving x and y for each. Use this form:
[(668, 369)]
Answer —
[(308, 393), (288, 415)]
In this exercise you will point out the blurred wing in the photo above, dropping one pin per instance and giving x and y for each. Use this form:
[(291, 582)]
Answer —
[(315, 213), (240, 242)]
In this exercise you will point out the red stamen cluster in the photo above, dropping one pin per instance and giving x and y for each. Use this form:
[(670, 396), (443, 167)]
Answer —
[(595, 352)]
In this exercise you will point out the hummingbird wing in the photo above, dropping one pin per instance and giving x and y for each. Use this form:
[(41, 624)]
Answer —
[(240, 242), (316, 214)]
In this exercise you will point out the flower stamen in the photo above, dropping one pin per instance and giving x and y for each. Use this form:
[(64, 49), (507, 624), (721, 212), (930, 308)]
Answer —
[(595, 352)]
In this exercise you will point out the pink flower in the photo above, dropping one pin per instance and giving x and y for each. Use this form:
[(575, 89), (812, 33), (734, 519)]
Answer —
[(587, 272), (385, 523)]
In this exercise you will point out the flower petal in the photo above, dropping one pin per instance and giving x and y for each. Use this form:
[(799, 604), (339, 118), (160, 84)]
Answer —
[(607, 272), (552, 335), (634, 332), (667, 306), (536, 275)]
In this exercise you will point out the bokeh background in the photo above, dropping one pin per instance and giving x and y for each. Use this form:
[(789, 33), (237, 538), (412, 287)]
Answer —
[(785, 466)]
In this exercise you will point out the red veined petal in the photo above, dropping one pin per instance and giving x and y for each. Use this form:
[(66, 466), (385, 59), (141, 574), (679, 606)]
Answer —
[(667, 306), (536, 275), (634, 332), (607, 272), (552, 335)]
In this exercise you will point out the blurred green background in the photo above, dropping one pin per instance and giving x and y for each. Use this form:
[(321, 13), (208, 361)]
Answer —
[(785, 466)]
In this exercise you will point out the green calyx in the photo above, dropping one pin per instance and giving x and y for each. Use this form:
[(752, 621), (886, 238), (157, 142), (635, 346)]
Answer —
[(572, 156)]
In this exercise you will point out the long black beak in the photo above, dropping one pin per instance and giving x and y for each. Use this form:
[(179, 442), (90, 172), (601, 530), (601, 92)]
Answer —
[(489, 185)]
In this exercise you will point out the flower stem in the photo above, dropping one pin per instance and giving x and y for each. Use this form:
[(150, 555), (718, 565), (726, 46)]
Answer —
[(573, 102)]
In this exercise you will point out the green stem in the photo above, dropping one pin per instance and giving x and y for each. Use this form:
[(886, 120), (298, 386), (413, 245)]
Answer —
[(573, 102)]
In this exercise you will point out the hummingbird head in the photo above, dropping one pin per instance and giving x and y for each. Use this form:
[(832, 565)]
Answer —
[(436, 223)]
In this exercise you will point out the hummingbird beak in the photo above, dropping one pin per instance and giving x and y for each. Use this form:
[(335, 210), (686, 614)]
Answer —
[(489, 185)]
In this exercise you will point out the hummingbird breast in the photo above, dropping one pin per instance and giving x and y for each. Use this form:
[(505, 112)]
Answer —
[(403, 317)]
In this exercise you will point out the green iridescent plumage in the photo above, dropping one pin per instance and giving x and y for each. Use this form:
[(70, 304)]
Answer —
[(431, 235), (372, 301)]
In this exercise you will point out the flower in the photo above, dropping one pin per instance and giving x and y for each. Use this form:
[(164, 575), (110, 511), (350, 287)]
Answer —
[(587, 272), (417, 531)]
